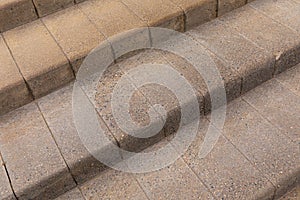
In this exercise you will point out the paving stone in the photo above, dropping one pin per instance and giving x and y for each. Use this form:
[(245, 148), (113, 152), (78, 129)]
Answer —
[(57, 110), (253, 65), (290, 79), (286, 12), (14, 92), (40, 60), (5, 189), (197, 12), (176, 181), (14, 13), (274, 154), (74, 194), (225, 6), (162, 13), (138, 110), (45, 7), (118, 185), (275, 38), (294, 194), (225, 171), (279, 105), (74, 33), (111, 17), (34, 166)]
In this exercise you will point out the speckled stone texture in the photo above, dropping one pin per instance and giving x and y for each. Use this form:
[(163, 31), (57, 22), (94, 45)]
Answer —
[(225, 6), (197, 11), (74, 32), (14, 92), (36, 167), (162, 13), (45, 7), (274, 37), (14, 13), (290, 79), (39, 58), (5, 188), (74, 194), (294, 194)]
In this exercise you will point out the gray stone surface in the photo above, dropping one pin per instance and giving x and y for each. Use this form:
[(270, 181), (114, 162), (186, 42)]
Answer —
[(73, 194), (39, 58), (113, 184), (225, 6), (294, 194), (267, 147), (33, 167), (57, 110), (274, 37), (252, 64), (290, 79), (279, 105), (5, 188), (45, 7), (15, 13), (225, 171)]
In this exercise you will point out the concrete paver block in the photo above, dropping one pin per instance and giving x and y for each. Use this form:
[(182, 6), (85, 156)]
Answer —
[(294, 194), (279, 105), (14, 92), (162, 13), (14, 13), (45, 7), (5, 188), (111, 17), (118, 185), (40, 60), (290, 79), (197, 11), (268, 148), (225, 6), (275, 38), (34, 166), (225, 171), (252, 64), (73, 194), (74, 33)]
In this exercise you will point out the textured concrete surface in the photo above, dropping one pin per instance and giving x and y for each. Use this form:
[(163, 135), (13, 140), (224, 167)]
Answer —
[(274, 37), (74, 194), (14, 13), (294, 194), (111, 17), (225, 6), (267, 147), (45, 7), (76, 35), (225, 171), (33, 167), (118, 185), (5, 189), (279, 105), (162, 13), (290, 79), (14, 92), (253, 65), (39, 58), (197, 11)]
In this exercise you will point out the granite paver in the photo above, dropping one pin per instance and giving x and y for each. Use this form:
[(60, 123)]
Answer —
[(225, 6), (45, 7), (73, 194), (290, 79), (39, 58), (5, 188)]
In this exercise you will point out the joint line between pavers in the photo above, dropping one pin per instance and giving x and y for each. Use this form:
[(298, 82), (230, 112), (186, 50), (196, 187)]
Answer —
[(35, 9), (7, 174), (69, 170), (52, 36), (286, 87), (140, 186), (26, 83)]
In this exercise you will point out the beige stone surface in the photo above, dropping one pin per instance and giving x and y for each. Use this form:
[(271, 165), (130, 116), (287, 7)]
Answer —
[(6, 192), (294, 194), (274, 37), (34, 166), (14, 92), (162, 13), (197, 11), (111, 17), (225, 6), (39, 58), (73, 194), (45, 7), (16, 12), (74, 33), (290, 79)]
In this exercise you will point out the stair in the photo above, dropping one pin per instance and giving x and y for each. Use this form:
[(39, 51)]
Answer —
[(256, 50)]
